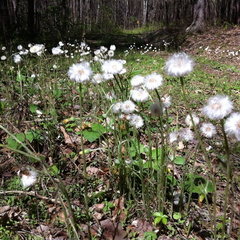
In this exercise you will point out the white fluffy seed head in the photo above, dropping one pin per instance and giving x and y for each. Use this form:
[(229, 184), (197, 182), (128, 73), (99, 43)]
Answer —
[(29, 178), (139, 95), (137, 81), (128, 107), (218, 107), (208, 130), (232, 125), (80, 72), (136, 121), (178, 65), (189, 122), (153, 81)]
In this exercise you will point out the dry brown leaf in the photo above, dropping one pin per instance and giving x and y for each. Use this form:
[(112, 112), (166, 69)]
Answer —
[(98, 215), (109, 229), (98, 207), (140, 226), (119, 213), (180, 146), (67, 138), (4, 209), (93, 171)]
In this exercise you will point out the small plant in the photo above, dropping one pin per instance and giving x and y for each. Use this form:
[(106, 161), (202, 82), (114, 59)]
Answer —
[(159, 217), (150, 235)]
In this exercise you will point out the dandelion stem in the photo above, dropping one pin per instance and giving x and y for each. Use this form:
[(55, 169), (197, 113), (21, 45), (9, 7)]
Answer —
[(203, 150), (226, 198), (84, 164)]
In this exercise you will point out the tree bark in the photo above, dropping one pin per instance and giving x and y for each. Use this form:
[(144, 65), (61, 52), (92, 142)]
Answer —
[(144, 12), (198, 23), (31, 20)]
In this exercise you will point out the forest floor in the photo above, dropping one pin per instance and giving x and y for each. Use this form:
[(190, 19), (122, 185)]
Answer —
[(218, 54)]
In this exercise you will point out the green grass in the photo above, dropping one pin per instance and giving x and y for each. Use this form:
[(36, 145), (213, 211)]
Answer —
[(140, 30)]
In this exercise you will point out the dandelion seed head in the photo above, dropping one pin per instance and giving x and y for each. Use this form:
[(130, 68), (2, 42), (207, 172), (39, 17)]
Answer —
[(116, 108), (156, 109), (218, 107), (166, 101), (112, 66), (19, 47), (103, 49), (110, 95), (128, 107), (17, 58), (189, 122), (173, 136), (37, 48), (139, 95), (137, 80), (29, 178), (80, 72), (97, 78), (180, 64), (232, 125), (208, 130), (110, 53), (136, 121), (186, 134), (153, 81), (112, 48), (57, 51)]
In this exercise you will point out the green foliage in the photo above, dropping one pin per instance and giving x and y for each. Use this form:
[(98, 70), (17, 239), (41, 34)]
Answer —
[(159, 217), (179, 160), (198, 184), (15, 141), (94, 132), (150, 235)]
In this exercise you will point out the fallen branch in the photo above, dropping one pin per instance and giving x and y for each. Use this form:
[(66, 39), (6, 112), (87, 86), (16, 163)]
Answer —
[(30, 193)]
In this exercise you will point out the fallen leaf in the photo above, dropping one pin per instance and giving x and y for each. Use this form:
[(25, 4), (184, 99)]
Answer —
[(180, 146), (67, 138), (109, 230), (93, 171), (118, 212)]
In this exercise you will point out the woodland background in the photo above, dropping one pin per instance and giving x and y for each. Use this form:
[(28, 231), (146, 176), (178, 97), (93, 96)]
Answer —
[(53, 20)]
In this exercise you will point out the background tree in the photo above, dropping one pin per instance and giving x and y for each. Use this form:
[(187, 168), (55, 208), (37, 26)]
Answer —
[(198, 23), (51, 20)]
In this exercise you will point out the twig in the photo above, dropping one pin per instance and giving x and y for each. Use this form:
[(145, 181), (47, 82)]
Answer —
[(30, 193)]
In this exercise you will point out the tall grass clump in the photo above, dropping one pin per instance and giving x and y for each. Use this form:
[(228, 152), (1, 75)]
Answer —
[(68, 106)]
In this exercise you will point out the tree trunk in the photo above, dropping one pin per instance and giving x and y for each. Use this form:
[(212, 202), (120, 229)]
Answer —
[(31, 20), (144, 12), (198, 23)]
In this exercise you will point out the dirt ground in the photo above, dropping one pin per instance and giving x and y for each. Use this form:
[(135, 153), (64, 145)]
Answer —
[(216, 44)]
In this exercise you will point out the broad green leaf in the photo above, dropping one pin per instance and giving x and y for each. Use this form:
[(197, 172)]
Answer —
[(12, 143), (157, 214), (29, 136), (33, 108), (20, 137), (179, 160), (157, 220), (177, 215), (20, 77), (90, 135), (153, 164), (164, 221), (99, 128), (198, 184)]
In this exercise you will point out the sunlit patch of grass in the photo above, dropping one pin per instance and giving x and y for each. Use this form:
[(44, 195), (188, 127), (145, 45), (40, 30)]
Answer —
[(139, 29)]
